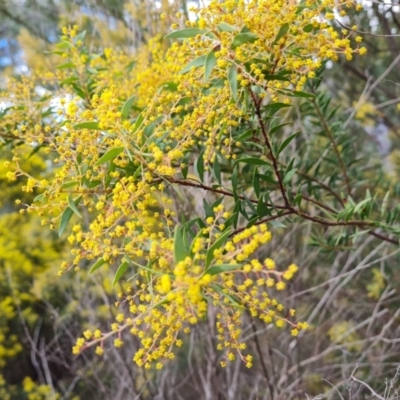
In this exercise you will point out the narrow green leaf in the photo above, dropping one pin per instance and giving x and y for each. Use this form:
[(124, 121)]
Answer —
[(96, 265), (179, 245), (256, 182), (302, 94), (68, 184), (243, 38), (262, 208), (126, 108), (39, 197), (286, 142), (87, 125), (185, 33), (110, 155), (66, 65), (288, 177), (223, 27), (245, 135), (120, 271), (216, 245), (197, 62), (308, 28), (65, 217), (63, 45), (385, 203), (277, 128), (268, 179), (345, 212), (72, 204), (235, 179), (210, 63), (297, 200), (277, 224), (276, 106), (80, 37), (199, 166), (282, 32), (217, 170), (138, 123), (252, 161), (208, 209), (185, 162), (232, 79), (221, 268), (361, 205)]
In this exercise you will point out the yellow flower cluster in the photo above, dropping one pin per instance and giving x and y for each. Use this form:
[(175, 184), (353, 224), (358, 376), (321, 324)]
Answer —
[(121, 139), (180, 297)]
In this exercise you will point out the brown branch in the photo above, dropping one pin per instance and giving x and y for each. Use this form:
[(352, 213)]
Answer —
[(268, 144), (290, 210)]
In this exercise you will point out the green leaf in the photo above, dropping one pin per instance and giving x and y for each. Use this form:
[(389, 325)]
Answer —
[(308, 28), (385, 203), (361, 205), (289, 175), (282, 32), (210, 63), (262, 208), (208, 209), (286, 142), (245, 135), (221, 268), (96, 265), (276, 106), (243, 38), (63, 45), (223, 27), (185, 33), (197, 62), (199, 166), (268, 179), (185, 162), (87, 125), (256, 182), (80, 37), (235, 179), (110, 155), (277, 128), (252, 161), (126, 108), (216, 245), (72, 205), (297, 200), (276, 77), (277, 224), (179, 245), (68, 184), (301, 94), (120, 271), (217, 170), (66, 65), (138, 123), (232, 79), (65, 217), (40, 198)]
